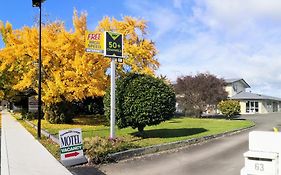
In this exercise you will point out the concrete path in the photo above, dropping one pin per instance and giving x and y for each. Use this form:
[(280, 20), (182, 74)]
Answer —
[(22, 154)]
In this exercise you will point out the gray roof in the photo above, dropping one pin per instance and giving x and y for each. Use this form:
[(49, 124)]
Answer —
[(251, 96), (232, 80)]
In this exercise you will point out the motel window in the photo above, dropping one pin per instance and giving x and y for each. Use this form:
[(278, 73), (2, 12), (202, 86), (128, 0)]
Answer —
[(256, 106), (269, 104), (252, 107)]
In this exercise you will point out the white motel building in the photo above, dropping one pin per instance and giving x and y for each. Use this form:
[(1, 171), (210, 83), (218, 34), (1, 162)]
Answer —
[(251, 103)]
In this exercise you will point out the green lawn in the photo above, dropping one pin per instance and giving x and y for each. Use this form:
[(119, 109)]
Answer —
[(173, 130)]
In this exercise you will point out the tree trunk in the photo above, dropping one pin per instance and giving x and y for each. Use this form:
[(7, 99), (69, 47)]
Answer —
[(140, 128)]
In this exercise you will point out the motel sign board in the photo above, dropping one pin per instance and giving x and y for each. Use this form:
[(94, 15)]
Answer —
[(113, 44), (94, 42), (71, 147)]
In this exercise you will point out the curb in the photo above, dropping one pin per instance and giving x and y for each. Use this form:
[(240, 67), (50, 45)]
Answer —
[(56, 140), (44, 132), (169, 146)]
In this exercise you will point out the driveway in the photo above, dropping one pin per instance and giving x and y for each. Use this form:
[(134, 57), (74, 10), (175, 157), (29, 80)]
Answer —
[(218, 157)]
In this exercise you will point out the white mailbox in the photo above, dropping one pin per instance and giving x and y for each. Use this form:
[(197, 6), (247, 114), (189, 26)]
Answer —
[(263, 155), (261, 163)]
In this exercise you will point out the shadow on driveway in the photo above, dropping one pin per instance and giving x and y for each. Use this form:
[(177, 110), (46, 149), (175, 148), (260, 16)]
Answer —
[(85, 171)]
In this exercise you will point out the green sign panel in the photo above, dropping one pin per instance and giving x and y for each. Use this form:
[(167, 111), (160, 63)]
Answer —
[(113, 44), (71, 149)]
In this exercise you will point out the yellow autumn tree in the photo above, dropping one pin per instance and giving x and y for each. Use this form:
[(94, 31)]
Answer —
[(8, 76), (70, 74), (140, 52)]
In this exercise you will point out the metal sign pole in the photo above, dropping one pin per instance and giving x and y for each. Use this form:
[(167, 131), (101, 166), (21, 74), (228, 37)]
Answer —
[(113, 48), (39, 79), (112, 100)]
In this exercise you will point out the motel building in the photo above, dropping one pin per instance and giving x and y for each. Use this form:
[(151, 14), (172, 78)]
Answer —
[(251, 103)]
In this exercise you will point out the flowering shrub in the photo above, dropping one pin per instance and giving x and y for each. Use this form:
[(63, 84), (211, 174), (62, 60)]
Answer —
[(229, 108), (98, 148)]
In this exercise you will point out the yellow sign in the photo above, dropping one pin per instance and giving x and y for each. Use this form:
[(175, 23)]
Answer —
[(94, 42)]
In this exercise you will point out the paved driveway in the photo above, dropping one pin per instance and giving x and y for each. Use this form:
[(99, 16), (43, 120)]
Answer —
[(218, 157)]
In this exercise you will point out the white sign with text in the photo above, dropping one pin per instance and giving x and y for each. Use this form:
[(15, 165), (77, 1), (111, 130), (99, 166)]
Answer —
[(71, 145)]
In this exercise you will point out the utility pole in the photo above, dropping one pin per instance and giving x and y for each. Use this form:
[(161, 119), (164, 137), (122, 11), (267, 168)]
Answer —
[(38, 3)]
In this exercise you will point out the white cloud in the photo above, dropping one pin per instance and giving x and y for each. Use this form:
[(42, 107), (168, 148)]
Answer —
[(232, 39), (228, 60), (178, 3), (164, 21), (221, 14), (161, 18)]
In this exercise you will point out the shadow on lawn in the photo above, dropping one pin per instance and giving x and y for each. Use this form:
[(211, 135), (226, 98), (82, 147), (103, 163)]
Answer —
[(90, 120), (169, 133)]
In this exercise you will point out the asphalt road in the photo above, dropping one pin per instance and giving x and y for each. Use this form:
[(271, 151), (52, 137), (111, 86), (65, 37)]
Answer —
[(218, 157)]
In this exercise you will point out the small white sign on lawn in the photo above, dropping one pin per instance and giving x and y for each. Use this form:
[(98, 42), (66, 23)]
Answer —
[(71, 147)]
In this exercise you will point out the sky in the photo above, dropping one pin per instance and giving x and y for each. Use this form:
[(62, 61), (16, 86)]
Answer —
[(230, 39)]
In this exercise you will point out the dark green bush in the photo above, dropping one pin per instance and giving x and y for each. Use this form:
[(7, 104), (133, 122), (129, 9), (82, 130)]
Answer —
[(62, 112), (29, 115), (229, 108), (90, 106), (141, 100)]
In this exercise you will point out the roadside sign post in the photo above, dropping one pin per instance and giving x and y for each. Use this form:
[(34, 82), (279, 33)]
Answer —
[(110, 44), (71, 147), (113, 43), (112, 99)]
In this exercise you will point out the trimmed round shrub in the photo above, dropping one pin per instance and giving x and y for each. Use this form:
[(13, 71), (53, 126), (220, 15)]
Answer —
[(229, 108), (141, 100)]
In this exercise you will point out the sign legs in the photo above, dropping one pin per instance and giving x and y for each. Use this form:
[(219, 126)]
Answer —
[(112, 100)]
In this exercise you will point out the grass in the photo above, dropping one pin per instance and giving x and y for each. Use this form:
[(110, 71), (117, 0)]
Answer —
[(176, 129), (173, 130)]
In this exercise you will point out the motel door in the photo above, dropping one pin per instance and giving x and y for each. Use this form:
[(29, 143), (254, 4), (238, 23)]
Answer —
[(275, 107), (252, 107)]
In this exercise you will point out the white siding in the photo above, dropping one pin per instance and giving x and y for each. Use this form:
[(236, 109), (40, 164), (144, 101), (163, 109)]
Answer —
[(263, 107), (229, 90), (242, 107), (234, 88)]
